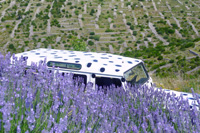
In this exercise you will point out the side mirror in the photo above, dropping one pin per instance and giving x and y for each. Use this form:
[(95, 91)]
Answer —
[(123, 79), (93, 75)]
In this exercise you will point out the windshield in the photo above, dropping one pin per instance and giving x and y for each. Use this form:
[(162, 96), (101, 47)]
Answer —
[(136, 75)]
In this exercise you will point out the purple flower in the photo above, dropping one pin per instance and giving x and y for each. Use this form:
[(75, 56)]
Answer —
[(135, 129), (18, 129), (50, 121), (7, 126), (92, 110), (45, 131), (31, 119), (38, 110)]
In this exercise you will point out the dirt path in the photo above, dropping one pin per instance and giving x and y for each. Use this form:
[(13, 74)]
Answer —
[(5, 46), (179, 34), (129, 8), (31, 31), (49, 20), (110, 33), (180, 2), (193, 27), (176, 31), (99, 42), (168, 6), (85, 8), (194, 3), (195, 69), (122, 4), (197, 19), (146, 44), (98, 12), (177, 22), (36, 12), (187, 7), (97, 16), (15, 28), (135, 19), (156, 34), (28, 7), (110, 5), (80, 20), (138, 46), (2, 1), (58, 39), (66, 1), (167, 65), (111, 25), (115, 13), (161, 15), (144, 8), (12, 35), (128, 27), (168, 22), (121, 50), (12, 3), (111, 49), (154, 5), (96, 26), (33, 18)]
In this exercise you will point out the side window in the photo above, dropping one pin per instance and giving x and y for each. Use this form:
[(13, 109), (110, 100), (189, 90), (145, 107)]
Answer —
[(80, 78), (107, 82)]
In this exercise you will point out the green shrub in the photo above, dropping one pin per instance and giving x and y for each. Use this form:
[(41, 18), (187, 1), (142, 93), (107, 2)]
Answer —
[(11, 46), (92, 12), (95, 37), (160, 57), (128, 23), (171, 61), (121, 41), (90, 43), (69, 3), (92, 33), (135, 33), (76, 12), (109, 30), (132, 27)]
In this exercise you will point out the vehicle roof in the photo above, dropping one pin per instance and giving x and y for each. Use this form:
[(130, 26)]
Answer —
[(113, 64)]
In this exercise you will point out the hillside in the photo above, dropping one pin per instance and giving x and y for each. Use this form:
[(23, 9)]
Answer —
[(164, 33)]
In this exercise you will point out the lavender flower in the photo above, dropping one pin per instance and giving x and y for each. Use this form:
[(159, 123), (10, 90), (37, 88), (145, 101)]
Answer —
[(135, 129), (31, 119), (68, 105), (50, 121), (7, 125), (38, 110), (18, 129)]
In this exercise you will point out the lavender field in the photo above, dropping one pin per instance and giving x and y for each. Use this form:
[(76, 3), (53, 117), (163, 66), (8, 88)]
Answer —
[(37, 100), (163, 33)]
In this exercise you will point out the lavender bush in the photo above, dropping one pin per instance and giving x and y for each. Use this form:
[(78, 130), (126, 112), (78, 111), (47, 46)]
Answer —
[(37, 100)]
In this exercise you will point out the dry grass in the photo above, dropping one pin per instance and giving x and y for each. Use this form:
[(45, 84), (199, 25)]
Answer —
[(179, 83)]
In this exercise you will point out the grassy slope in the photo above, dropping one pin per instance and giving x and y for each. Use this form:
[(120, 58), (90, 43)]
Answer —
[(178, 83)]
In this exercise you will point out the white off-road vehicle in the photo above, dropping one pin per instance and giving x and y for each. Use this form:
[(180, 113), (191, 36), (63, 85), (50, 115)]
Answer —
[(99, 69)]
